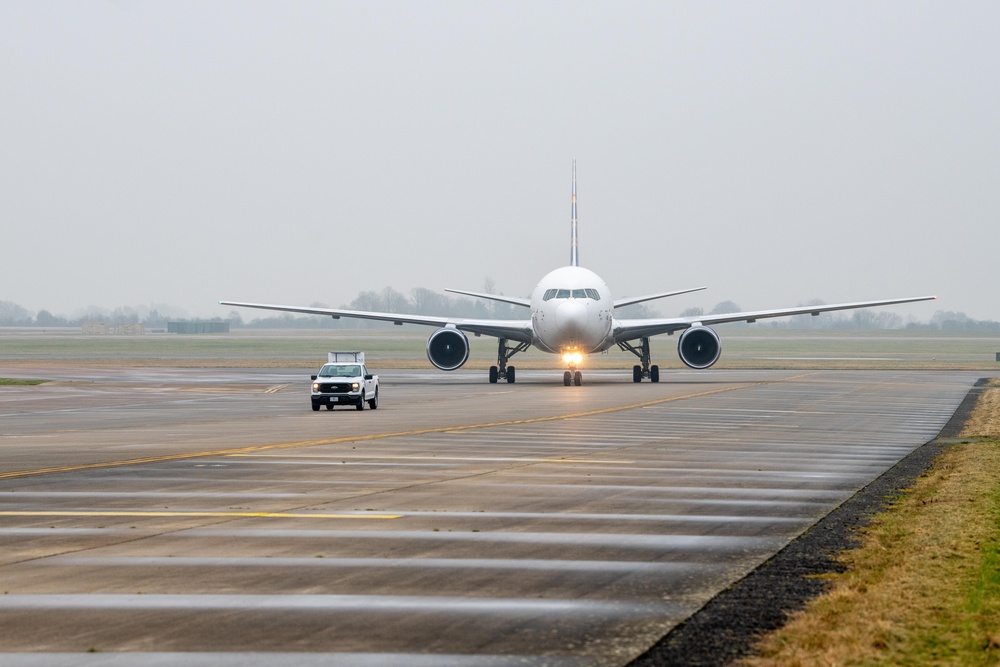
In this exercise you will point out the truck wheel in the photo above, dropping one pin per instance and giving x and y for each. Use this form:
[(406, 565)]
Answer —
[(361, 403), (315, 407), (329, 406), (373, 404)]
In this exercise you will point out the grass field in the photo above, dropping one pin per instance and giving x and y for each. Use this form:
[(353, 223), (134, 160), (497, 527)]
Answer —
[(404, 347)]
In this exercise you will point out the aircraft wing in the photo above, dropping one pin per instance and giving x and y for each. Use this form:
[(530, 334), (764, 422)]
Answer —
[(493, 297), (621, 303), (519, 330), (637, 328)]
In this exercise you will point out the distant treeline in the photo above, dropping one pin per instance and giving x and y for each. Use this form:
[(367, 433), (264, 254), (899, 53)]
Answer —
[(423, 301)]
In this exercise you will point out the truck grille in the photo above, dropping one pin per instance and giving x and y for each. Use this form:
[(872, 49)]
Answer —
[(334, 387)]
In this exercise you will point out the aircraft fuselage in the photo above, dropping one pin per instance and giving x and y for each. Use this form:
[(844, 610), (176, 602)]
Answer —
[(572, 312)]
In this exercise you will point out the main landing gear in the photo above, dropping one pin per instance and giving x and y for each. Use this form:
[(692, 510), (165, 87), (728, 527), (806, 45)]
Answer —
[(572, 377), (644, 370), (502, 371)]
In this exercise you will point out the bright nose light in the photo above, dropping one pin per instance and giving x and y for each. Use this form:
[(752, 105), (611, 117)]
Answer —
[(572, 357)]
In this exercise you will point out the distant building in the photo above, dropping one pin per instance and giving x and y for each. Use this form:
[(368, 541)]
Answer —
[(130, 329), (197, 327), (95, 328)]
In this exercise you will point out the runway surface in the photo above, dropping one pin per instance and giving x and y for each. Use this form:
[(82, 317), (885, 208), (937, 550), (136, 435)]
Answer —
[(149, 513)]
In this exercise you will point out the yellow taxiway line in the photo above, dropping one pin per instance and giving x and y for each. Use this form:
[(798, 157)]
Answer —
[(381, 436)]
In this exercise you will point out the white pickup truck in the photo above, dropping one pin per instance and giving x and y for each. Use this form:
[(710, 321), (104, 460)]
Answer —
[(344, 380)]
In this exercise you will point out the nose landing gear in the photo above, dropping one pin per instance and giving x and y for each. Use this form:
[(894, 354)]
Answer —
[(573, 377)]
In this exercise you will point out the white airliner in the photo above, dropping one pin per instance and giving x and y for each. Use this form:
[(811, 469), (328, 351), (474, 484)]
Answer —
[(573, 315)]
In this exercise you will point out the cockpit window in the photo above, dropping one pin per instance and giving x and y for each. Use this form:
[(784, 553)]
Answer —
[(571, 294)]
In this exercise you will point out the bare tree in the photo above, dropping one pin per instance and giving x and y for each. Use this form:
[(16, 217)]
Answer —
[(489, 287), (725, 307), (394, 301), (123, 314), (367, 300), (46, 319), (428, 302), (12, 314)]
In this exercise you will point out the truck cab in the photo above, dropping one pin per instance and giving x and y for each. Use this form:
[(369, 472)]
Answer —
[(344, 380)]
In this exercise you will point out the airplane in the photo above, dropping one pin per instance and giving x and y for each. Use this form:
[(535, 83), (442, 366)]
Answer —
[(572, 314)]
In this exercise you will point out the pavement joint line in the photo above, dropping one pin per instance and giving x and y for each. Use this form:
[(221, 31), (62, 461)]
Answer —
[(484, 459), (196, 514), (382, 436)]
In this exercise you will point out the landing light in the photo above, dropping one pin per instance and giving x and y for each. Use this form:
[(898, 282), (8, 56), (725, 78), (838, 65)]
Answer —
[(572, 357)]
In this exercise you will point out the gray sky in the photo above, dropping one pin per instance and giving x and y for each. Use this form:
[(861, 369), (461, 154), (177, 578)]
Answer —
[(300, 152)]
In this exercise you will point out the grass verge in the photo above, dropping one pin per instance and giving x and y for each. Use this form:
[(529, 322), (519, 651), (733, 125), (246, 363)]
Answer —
[(924, 586), (17, 382)]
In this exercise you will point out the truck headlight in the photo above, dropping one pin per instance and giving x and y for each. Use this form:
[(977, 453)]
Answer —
[(316, 387), (355, 386)]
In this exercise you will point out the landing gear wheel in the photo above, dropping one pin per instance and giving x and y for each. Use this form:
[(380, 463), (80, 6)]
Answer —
[(641, 369), (578, 378), (504, 353), (361, 404), (373, 404), (567, 378)]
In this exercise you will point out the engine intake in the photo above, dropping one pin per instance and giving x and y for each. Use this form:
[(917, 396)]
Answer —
[(448, 349), (699, 347)]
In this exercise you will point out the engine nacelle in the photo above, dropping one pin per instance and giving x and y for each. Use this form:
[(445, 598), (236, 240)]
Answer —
[(699, 347), (448, 349)]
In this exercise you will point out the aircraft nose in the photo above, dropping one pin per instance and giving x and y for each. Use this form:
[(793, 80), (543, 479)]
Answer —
[(571, 317)]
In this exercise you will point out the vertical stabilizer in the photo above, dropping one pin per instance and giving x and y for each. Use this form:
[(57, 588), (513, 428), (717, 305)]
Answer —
[(574, 248)]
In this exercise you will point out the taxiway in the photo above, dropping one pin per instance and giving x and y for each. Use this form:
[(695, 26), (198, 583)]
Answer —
[(151, 512)]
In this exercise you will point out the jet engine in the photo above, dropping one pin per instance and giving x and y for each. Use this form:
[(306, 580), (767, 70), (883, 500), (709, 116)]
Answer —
[(448, 349), (699, 347)]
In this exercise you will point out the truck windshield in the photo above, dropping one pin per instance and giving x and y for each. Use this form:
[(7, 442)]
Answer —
[(333, 371)]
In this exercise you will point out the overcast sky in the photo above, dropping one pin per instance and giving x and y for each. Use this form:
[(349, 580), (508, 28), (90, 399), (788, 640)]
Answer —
[(301, 152)]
